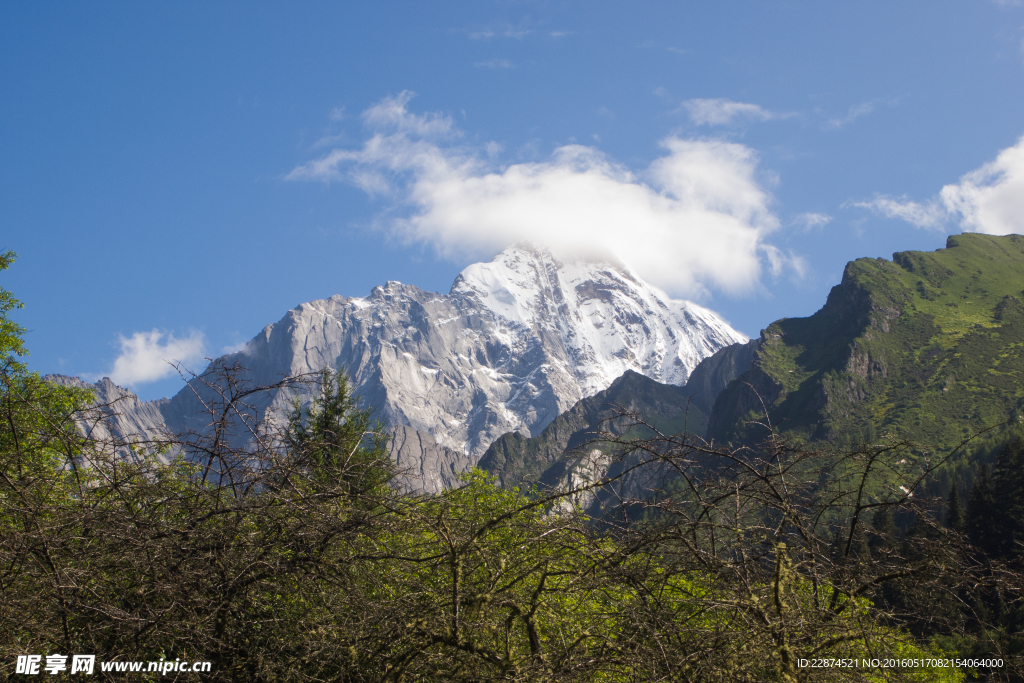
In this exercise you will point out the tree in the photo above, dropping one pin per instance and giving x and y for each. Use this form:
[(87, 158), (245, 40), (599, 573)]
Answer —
[(956, 518), (983, 523), (282, 553), (886, 534), (336, 439), (1008, 495)]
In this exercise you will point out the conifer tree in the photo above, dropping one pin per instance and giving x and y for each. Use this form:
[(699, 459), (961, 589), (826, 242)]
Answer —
[(1008, 492), (956, 519), (982, 527), (859, 547), (886, 535), (336, 439)]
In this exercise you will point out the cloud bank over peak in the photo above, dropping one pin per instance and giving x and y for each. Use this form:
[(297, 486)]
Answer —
[(696, 219), (989, 199)]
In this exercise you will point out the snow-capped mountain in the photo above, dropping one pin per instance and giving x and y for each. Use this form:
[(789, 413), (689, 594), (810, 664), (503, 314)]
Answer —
[(604, 316), (514, 343)]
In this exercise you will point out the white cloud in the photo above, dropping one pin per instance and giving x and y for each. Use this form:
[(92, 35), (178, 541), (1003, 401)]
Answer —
[(856, 111), (514, 32), (810, 221), (391, 114), (989, 199), (233, 348), (494, 64), (147, 356), (696, 218), (718, 112), (928, 215)]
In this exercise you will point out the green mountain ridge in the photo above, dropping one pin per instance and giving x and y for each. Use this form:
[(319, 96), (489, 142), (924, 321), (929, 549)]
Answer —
[(926, 347)]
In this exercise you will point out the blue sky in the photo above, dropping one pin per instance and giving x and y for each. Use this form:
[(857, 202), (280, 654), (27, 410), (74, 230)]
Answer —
[(175, 177)]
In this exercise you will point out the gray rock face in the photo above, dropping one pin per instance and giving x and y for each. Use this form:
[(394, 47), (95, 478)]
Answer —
[(555, 459), (424, 466), (713, 374), (122, 417), (515, 343)]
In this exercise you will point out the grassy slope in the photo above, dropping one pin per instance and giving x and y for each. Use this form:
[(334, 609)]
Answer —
[(927, 347)]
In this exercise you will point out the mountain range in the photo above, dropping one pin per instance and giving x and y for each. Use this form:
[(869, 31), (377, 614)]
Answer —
[(926, 348), (514, 344), (528, 356)]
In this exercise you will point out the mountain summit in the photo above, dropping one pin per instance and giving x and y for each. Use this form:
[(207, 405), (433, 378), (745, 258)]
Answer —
[(516, 342), (603, 317)]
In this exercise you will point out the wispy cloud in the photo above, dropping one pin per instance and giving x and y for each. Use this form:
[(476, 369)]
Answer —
[(696, 218), (856, 111), (148, 356), (720, 112), (509, 31), (931, 214), (812, 221), (494, 64), (233, 348), (989, 199)]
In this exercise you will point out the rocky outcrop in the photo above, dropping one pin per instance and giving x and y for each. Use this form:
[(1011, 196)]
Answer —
[(423, 465), (713, 374), (121, 417), (560, 455)]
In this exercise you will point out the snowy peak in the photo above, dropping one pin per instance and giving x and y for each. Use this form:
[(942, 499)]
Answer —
[(525, 283), (606, 317)]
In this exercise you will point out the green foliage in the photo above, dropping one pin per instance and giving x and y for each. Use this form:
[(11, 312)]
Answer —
[(956, 518), (11, 342), (982, 525), (338, 441), (39, 440), (296, 560)]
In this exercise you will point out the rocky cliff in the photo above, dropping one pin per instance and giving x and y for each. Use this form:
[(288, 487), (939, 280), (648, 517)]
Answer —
[(553, 457)]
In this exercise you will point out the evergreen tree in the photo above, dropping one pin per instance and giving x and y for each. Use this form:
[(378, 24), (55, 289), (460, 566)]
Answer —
[(886, 534), (956, 519), (982, 524), (1008, 492), (859, 547), (338, 441)]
